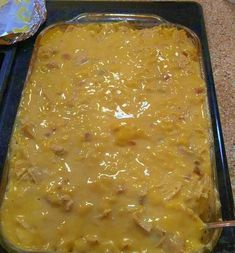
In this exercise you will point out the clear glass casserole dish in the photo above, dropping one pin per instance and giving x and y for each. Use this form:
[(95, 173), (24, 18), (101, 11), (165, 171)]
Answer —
[(123, 137)]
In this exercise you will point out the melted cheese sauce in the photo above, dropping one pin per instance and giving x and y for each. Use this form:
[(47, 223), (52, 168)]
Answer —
[(110, 151)]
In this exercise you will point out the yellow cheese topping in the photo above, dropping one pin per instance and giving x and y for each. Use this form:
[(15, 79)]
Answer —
[(111, 150)]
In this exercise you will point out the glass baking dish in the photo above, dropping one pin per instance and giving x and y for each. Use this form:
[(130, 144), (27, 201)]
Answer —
[(137, 21)]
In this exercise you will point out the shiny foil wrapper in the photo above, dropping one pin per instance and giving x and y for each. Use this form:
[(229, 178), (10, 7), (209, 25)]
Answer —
[(20, 19)]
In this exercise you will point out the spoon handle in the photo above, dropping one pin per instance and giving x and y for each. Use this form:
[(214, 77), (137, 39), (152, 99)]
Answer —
[(221, 224)]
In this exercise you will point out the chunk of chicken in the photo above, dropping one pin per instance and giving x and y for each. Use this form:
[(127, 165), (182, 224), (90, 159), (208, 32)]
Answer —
[(35, 174), (52, 66), (92, 239), (67, 202), (58, 150), (105, 213), (142, 195), (21, 166), (126, 244), (87, 137), (199, 90), (66, 56), (197, 169), (25, 171), (142, 223), (46, 54), (81, 59), (64, 201), (173, 192), (27, 130), (21, 221)]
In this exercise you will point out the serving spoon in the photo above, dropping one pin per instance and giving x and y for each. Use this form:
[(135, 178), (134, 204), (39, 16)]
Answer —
[(221, 224)]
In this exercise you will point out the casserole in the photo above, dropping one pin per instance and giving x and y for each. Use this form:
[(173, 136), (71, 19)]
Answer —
[(112, 130)]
